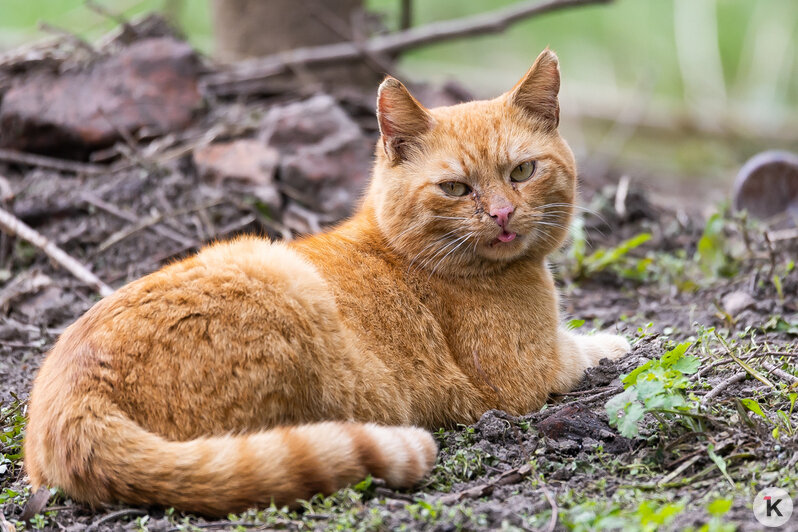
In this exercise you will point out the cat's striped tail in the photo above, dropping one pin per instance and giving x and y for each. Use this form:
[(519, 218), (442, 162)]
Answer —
[(101, 456)]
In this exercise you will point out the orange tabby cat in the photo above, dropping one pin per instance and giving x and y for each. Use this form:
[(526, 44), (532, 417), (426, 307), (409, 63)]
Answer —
[(256, 371)]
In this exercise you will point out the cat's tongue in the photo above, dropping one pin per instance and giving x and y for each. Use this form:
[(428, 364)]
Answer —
[(506, 237)]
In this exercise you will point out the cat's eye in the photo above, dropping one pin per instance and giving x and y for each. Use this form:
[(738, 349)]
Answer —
[(523, 171), (455, 188)]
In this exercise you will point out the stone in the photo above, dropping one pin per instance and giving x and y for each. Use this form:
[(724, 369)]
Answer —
[(736, 302), (246, 160), (574, 426), (767, 185), (325, 157), (493, 426), (152, 85)]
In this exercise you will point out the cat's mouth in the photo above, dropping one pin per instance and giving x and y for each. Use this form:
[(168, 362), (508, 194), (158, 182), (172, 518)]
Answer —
[(504, 237)]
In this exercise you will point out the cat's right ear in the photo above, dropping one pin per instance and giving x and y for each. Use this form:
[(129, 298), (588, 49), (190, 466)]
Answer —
[(401, 118), (537, 92)]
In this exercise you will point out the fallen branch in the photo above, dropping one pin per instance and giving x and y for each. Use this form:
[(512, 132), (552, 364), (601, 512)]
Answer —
[(754, 373), (5, 525), (110, 208), (16, 227), (737, 377), (332, 20), (35, 505), (61, 165), (150, 221), (780, 373), (555, 510), (273, 65), (512, 476), (784, 234), (583, 401), (113, 516)]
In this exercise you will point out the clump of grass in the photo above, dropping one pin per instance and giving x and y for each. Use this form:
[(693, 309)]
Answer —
[(459, 460), (717, 255), (12, 424), (655, 387)]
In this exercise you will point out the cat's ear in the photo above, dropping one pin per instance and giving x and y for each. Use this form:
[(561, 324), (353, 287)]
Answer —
[(401, 118), (536, 93)]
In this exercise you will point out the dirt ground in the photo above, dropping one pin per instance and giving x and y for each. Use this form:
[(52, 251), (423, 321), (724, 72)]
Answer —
[(563, 468)]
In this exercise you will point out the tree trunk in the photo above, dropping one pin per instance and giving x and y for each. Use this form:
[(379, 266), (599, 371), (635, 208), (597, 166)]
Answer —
[(252, 28)]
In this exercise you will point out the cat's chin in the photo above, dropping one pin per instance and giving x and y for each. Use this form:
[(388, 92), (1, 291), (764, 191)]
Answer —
[(505, 247)]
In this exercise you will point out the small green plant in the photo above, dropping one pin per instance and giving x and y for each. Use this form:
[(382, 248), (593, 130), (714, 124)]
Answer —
[(603, 258), (424, 511), (38, 522), (656, 386), (616, 257), (649, 516), (779, 324), (782, 420), (717, 509), (141, 523), (712, 253), (12, 423)]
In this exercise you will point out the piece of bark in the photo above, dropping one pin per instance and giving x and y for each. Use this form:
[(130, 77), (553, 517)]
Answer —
[(152, 84)]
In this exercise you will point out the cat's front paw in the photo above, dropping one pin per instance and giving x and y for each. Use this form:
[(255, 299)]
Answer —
[(610, 346)]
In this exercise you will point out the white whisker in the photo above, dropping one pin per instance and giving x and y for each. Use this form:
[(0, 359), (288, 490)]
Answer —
[(441, 250), (463, 241)]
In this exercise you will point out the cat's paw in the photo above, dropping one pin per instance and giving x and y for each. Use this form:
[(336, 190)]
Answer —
[(610, 346)]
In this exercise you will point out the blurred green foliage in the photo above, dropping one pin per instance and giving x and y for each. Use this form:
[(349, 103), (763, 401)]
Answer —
[(735, 58), (628, 42)]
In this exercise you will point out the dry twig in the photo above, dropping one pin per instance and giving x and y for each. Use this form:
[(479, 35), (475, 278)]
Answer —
[(35, 505), (737, 377), (783, 234), (150, 221), (113, 516), (110, 208), (780, 373), (16, 227), (555, 510), (61, 165), (329, 18), (743, 364), (6, 526), (512, 476), (276, 64)]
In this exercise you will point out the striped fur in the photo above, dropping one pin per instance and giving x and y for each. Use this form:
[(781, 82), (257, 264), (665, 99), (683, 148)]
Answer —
[(259, 372)]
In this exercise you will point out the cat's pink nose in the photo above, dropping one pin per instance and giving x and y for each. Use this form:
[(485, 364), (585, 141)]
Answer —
[(502, 215)]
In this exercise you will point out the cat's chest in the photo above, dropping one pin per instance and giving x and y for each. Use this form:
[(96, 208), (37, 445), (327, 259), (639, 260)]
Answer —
[(506, 319)]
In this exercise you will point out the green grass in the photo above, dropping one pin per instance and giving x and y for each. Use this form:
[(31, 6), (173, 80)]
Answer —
[(627, 43)]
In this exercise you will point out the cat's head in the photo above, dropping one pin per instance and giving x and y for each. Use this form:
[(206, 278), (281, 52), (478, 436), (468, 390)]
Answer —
[(467, 189)]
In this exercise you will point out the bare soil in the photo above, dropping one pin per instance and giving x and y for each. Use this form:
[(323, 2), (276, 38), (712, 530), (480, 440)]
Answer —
[(561, 468)]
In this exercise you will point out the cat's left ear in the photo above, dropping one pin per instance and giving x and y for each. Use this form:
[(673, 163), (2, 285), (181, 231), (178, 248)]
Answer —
[(537, 92), (401, 118)]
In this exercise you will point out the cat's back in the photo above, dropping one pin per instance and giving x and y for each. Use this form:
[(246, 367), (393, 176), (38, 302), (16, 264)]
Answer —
[(390, 308), (374, 290), (235, 312)]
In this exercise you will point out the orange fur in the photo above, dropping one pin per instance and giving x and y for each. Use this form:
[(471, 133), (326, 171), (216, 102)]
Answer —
[(253, 371)]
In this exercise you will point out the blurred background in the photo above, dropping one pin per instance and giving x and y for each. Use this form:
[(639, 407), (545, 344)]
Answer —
[(675, 93)]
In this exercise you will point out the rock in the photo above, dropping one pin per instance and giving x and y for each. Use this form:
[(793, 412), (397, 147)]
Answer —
[(49, 306), (575, 426), (325, 157), (26, 283), (493, 426), (246, 160), (767, 184), (736, 302), (152, 84)]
